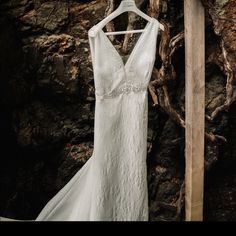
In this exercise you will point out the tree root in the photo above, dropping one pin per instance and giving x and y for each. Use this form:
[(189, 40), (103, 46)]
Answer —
[(110, 26), (132, 19), (230, 97), (158, 86), (218, 15)]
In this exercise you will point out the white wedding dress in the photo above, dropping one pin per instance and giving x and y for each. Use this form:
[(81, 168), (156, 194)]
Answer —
[(112, 185)]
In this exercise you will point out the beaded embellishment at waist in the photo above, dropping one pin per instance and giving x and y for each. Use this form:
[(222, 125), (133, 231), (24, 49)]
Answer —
[(126, 88)]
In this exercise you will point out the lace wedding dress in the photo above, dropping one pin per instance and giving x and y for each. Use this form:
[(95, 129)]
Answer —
[(112, 185)]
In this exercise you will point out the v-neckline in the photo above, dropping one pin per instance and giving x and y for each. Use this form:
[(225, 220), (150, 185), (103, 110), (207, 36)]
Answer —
[(125, 64)]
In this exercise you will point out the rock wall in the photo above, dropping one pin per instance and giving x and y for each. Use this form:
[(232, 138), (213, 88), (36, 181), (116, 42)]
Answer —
[(47, 99)]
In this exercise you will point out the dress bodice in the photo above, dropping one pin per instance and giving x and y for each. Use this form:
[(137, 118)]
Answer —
[(114, 77)]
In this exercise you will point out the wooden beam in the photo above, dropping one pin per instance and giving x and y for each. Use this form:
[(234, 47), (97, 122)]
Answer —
[(194, 20)]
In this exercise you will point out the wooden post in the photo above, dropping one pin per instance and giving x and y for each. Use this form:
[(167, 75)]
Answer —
[(195, 108)]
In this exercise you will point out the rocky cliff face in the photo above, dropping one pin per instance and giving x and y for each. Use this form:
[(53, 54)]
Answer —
[(47, 108)]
